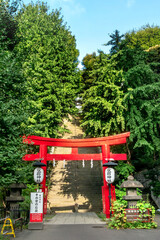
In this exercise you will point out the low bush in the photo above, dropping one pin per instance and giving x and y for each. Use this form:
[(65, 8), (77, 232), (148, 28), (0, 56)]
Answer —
[(119, 219)]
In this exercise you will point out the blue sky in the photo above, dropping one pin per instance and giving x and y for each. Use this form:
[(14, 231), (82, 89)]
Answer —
[(92, 20)]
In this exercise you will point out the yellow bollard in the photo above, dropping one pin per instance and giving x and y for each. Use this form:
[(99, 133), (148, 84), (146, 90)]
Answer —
[(8, 223)]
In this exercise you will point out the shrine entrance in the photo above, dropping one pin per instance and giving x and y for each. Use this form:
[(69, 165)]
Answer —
[(104, 155), (75, 186)]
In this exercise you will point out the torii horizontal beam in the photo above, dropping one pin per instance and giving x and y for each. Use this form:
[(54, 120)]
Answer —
[(90, 142), (74, 144), (68, 157)]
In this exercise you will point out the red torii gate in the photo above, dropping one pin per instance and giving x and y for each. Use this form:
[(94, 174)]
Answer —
[(104, 156)]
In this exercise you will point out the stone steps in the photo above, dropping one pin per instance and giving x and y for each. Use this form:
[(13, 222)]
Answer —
[(74, 184)]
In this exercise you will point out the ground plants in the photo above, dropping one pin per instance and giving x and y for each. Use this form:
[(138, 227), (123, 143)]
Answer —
[(3, 237), (102, 216), (119, 219), (143, 206)]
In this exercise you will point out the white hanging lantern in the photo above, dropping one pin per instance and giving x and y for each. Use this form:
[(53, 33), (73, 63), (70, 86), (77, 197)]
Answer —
[(109, 175), (38, 175)]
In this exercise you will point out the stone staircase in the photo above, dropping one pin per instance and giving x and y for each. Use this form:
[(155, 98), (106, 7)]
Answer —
[(73, 186)]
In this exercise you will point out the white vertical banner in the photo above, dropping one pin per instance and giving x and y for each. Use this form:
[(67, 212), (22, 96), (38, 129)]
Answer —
[(36, 202), (36, 207)]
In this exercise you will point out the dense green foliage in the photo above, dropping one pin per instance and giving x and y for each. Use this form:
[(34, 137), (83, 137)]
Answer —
[(49, 57), (11, 103), (12, 115), (119, 219), (132, 100), (115, 41), (13, 106), (141, 101), (121, 92), (8, 25), (148, 36), (39, 82), (143, 113), (90, 63), (102, 108)]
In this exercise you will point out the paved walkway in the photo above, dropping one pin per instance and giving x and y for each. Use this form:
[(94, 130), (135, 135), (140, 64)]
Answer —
[(157, 220), (86, 232), (59, 231), (74, 218)]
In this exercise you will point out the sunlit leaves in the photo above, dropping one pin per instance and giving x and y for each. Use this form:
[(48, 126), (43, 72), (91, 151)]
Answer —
[(148, 36), (102, 102), (49, 57)]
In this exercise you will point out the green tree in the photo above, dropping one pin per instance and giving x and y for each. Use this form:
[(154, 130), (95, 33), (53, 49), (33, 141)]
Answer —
[(90, 64), (49, 57), (148, 36), (102, 102), (153, 58), (141, 100), (142, 115), (10, 118), (8, 25), (134, 73), (127, 58), (141, 94), (12, 115), (13, 107), (115, 41)]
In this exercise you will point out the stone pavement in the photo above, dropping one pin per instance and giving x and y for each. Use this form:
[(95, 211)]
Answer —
[(86, 232), (157, 220), (74, 218), (59, 228)]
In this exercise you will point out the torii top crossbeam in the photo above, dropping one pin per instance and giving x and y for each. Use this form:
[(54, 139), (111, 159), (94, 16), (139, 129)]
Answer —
[(75, 144)]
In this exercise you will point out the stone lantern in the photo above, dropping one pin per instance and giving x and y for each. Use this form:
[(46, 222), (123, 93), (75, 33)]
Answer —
[(131, 191), (15, 195)]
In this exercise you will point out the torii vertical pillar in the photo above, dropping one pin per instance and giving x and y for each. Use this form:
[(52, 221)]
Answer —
[(43, 156), (105, 187)]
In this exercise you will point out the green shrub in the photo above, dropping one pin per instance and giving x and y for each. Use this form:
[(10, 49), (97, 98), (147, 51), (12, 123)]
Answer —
[(119, 219)]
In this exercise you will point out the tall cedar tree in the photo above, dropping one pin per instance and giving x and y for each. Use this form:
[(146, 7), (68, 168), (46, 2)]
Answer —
[(49, 57)]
